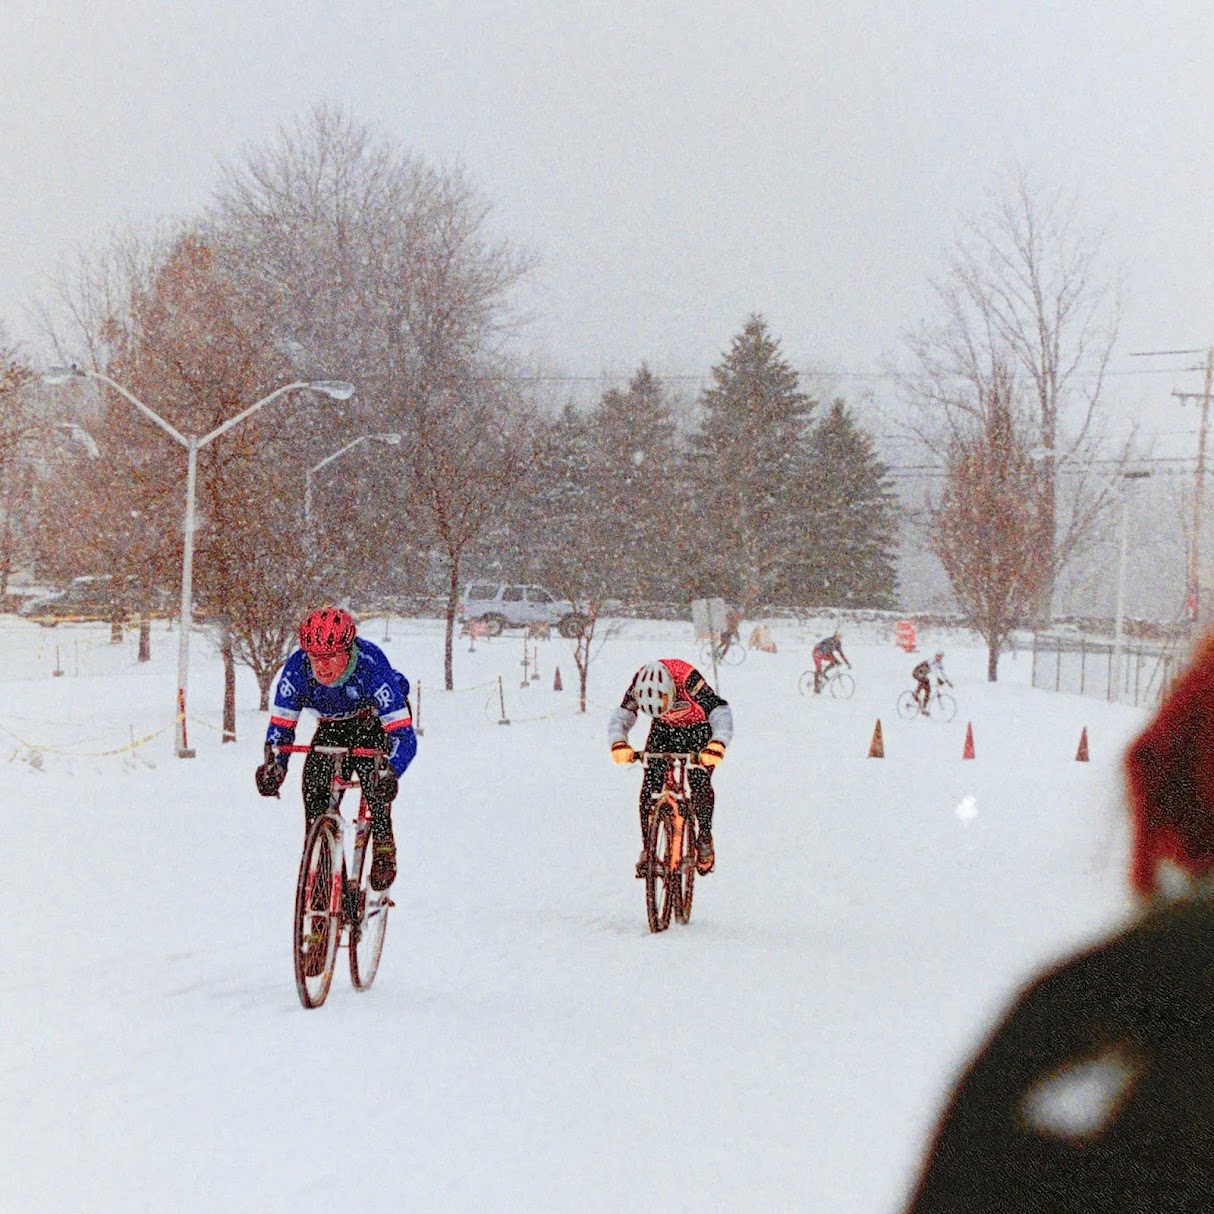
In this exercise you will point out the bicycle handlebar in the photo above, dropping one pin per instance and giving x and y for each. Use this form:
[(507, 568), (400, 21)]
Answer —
[(691, 758), (358, 752)]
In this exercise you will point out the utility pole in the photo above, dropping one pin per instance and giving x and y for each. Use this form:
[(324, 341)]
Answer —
[(1193, 595), (1193, 603)]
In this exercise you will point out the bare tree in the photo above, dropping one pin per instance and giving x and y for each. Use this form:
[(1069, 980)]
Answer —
[(468, 455), (380, 269), (17, 428), (1023, 292), (978, 529)]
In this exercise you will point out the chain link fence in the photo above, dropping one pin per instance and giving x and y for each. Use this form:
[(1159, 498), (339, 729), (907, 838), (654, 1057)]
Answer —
[(1088, 666)]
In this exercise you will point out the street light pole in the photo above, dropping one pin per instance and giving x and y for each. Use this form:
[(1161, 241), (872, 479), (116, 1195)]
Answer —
[(336, 389), (391, 439)]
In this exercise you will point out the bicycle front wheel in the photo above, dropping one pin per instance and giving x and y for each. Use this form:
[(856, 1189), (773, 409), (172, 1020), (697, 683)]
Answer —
[(842, 686), (317, 912), (685, 874), (368, 914), (735, 655), (944, 706), (908, 706), (659, 885)]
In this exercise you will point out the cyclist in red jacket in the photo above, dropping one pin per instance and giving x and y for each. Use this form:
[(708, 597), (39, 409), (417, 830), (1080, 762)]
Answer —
[(688, 717), (828, 652)]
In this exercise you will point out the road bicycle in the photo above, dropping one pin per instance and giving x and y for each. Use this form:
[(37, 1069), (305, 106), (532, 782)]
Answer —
[(671, 844), (333, 897), (942, 706), (834, 679), (729, 652)]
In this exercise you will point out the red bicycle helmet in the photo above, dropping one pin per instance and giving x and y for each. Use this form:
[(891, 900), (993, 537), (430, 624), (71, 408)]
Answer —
[(327, 632)]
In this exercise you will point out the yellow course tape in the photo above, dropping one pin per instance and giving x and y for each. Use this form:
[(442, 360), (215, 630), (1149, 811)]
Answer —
[(132, 745)]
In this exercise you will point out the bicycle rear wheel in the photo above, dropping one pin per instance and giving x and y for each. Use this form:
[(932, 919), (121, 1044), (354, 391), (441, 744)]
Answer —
[(317, 912), (908, 706), (735, 655), (805, 684), (944, 706), (842, 686), (685, 880), (659, 886), (368, 923)]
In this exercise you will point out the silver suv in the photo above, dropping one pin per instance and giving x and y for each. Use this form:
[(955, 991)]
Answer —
[(501, 605)]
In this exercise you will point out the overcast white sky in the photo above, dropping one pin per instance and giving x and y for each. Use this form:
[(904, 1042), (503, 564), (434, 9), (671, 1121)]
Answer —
[(675, 165)]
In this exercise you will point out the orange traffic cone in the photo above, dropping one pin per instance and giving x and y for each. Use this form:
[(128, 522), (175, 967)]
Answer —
[(1081, 755), (968, 752), (556, 681), (876, 749)]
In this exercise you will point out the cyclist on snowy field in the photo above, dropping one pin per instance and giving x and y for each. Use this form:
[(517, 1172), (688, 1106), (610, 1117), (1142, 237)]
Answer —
[(361, 701), (688, 718), (922, 674), (827, 653)]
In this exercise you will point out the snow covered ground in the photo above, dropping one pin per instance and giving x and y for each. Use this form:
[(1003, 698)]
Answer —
[(528, 1045)]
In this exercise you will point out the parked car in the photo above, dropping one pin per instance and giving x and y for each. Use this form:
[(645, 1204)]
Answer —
[(88, 598), (501, 605)]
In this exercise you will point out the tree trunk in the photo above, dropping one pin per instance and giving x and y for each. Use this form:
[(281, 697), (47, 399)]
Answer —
[(449, 639), (229, 688), (263, 687), (145, 639), (992, 662)]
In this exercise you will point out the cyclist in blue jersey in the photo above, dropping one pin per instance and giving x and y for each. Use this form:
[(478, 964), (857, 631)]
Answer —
[(361, 701)]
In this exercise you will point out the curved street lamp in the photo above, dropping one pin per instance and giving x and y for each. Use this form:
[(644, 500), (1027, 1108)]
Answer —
[(336, 389), (393, 440)]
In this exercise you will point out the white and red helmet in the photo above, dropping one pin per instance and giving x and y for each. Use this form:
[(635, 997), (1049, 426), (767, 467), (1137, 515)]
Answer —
[(653, 689)]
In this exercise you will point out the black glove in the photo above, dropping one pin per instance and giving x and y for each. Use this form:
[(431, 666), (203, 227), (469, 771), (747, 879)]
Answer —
[(382, 785), (270, 775)]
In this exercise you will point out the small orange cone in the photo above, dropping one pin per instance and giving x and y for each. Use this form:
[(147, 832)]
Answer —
[(876, 749), (968, 752), (1081, 755), (556, 681)]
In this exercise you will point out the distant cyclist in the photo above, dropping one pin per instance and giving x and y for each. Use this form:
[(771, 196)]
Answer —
[(923, 674), (688, 718), (828, 653), (361, 701)]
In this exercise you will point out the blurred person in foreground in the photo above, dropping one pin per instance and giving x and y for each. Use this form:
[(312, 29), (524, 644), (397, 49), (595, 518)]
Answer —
[(1096, 1092)]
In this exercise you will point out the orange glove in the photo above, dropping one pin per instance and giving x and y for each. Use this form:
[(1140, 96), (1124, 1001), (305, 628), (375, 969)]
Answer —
[(621, 752), (712, 754)]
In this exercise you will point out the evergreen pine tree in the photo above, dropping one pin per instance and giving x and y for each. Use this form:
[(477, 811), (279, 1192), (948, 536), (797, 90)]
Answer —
[(633, 486), (851, 561), (749, 460)]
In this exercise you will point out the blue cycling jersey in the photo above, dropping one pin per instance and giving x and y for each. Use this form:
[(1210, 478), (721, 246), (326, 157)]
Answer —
[(371, 686)]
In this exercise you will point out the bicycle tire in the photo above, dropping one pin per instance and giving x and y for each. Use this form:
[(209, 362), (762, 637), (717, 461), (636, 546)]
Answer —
[(944, 706), (908, 706), (842, 686), (659, 888), (368, 923), (685, 881), (317, 923), (805, 684), (735, 655)]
